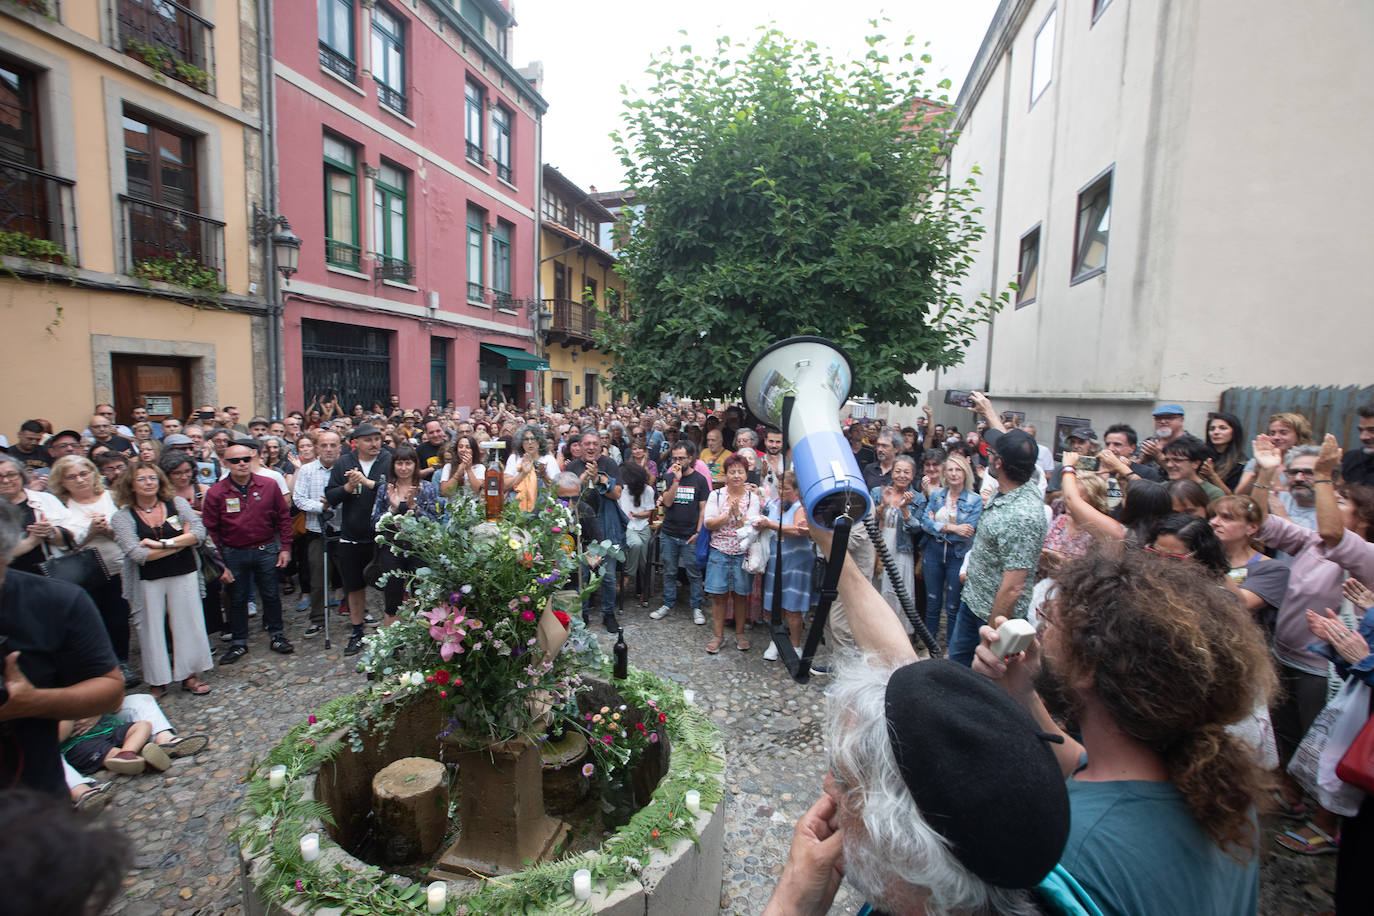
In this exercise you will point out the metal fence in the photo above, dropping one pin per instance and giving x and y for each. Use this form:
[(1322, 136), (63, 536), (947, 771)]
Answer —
[(1331, 410)]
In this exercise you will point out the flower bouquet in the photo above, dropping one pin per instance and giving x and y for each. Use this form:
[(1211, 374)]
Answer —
[(479, 627)]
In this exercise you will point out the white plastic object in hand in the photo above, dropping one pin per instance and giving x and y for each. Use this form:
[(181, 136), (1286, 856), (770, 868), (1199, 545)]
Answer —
[(1013, 636)]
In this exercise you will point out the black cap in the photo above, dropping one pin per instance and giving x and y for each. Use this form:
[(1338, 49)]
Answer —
[(980, 770), (365, 429), (1085, 433), (1016, 448)]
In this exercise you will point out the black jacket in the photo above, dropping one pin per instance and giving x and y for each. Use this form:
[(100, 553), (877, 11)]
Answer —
[(355, 509)]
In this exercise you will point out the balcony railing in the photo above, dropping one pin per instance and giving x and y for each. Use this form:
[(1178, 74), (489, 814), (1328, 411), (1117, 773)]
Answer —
[(37, 208), (503, 171), (342, 254), (337, 64), (502, 299), (394, 99), (572, 320), (477, 292), (172, 245), (474, 152), (394, 269), (169, 38)]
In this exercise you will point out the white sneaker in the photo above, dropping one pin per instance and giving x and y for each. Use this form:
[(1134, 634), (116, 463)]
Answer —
[(252, 609), (771, 653), (660, 613), (698, 617)]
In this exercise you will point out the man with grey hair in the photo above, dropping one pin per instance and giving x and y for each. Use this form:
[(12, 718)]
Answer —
[(878, 473), (57, 663), (1299, 501)]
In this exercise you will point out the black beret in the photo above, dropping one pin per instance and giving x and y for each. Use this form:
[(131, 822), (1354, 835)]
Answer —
[(980, 770)]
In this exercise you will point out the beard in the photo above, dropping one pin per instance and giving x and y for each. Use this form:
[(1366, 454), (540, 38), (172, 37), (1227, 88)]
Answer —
[(1302, 494), (1060, 702)]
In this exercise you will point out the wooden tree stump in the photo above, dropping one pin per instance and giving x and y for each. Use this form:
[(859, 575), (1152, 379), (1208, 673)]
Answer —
[(410, 807)]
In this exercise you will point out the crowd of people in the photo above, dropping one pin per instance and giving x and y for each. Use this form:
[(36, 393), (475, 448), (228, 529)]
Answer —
[(1187, 592)]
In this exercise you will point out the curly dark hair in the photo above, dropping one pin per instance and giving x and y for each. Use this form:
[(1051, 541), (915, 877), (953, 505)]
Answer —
[(1173, 659), (1201, 540)]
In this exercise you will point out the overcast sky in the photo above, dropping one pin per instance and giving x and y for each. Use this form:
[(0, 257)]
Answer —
[(591, 49)]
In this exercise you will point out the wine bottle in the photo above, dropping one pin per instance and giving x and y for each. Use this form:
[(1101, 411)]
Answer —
[(622, 656), (492, 482)]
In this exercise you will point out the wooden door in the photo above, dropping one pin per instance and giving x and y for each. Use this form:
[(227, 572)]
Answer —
[(160, 383), (560, 390)]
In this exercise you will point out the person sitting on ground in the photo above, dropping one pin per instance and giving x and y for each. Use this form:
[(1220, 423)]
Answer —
[(112, 741)]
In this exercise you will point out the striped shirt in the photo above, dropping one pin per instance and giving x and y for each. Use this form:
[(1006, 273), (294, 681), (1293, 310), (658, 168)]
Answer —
[(311, 480)]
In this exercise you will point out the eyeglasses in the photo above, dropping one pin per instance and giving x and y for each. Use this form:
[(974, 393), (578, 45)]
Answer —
[(12, 475), (77, 475), (1304, 472), (146, 480), (1173, 556), (244, 460)]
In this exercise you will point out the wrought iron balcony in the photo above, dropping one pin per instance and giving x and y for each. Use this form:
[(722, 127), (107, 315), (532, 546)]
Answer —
[(337, 64), (394, 99), (477, 292), (37, 215), (342, 254), (169, 38), (394, 269), (172, 245), (502, 299), (503, 172), (573, 321), (475, 152)]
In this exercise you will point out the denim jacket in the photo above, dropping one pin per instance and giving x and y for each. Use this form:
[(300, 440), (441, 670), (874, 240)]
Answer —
[(908, 531), (969, 509)]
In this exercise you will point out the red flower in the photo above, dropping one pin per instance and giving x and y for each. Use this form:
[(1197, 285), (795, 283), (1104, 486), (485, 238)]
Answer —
[(605, 739), (444, 694), (662, 717), (640, 726), (562, 618), (441, 676)]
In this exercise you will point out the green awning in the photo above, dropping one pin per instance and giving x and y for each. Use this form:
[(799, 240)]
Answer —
[(517, 359)]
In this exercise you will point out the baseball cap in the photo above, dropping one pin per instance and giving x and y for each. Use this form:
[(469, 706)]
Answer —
[(1016, 448), (1085, 433), (1168, 410), (980, 770), (365, 429)]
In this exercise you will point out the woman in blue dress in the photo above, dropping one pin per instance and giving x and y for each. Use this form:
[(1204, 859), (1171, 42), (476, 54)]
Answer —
[(787, 518)]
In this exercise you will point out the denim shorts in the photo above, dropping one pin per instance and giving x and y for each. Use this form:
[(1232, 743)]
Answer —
[(725, 573)]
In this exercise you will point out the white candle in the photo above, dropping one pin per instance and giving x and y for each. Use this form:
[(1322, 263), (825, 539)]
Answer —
[(694, 801), (276, 776), (310, 847), (690, 696), (437, 896), (582, 884)]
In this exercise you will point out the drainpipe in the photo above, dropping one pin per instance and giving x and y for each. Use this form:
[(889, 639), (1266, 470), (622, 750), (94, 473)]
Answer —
[(267, 127)]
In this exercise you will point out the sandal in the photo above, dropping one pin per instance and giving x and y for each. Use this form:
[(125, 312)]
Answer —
[(1322, 844), (713, 647), (741, 642), (1297, 812), (199, 688), (95, 798), (185, 745)]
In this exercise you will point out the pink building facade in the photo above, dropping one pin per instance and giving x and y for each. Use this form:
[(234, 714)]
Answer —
[(407, 160)]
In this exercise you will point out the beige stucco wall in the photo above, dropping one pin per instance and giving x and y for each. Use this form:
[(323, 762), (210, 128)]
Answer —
[(1237, 138)]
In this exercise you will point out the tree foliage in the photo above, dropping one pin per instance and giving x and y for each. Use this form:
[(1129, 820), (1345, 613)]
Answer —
[(787, 193)]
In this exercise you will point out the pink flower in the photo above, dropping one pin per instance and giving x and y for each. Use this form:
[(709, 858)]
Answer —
[(300, 887), (606, 739), (446, 628), (527, 615), (653, 737), (310, 719), (588, 769)]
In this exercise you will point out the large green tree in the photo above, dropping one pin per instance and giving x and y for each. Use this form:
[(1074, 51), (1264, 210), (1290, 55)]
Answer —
[(784, 193)]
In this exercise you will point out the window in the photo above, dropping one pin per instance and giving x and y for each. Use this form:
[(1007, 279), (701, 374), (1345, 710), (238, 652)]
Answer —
[(32, 202), (476, 276), (166, 238), (500, 129), (389, 58), (19, 138), (1042, 60), (341, 204), (389, 223), (1028, 268), (500, 262), (474, 102), (336, 38), (470, 11), (584, 226), (1090, 230), (555, 208), (169, 38)]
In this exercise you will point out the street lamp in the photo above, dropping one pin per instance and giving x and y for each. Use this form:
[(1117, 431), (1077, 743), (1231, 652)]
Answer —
[(286, 245)]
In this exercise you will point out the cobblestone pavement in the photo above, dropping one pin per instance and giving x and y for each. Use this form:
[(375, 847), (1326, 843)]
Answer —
[(178, 822)]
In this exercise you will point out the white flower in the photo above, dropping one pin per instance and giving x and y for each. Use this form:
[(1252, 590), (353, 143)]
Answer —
[(416, 679)]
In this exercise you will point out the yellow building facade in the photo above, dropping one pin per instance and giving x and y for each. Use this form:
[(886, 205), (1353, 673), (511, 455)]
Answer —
[(130, 157), (580, 287)]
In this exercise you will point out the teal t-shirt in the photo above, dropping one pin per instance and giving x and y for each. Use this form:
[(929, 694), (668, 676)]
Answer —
[(1137, 850)]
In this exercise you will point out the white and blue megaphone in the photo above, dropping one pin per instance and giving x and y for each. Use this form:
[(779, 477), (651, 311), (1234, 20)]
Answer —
[(817, 375)]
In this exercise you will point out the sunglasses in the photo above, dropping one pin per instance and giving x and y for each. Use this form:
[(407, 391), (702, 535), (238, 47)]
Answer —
[(244, 460)]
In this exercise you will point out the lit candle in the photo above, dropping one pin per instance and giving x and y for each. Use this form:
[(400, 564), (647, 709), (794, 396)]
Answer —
[(310, 847), (690, 696), (437, 896), (693, 801), (582, 884), (277, 776)]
